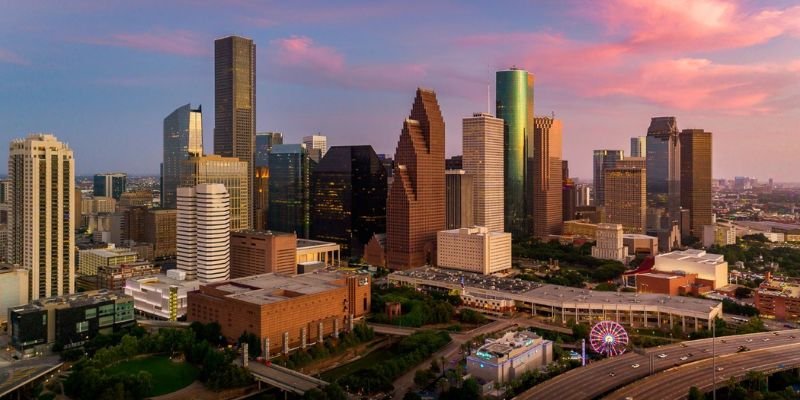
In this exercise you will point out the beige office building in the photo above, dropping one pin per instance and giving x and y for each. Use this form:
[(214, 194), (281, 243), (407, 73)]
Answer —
[(547, 180), (91, 260), (474, 249), (203, 232), (625, 198), (483, 159), (609, 245), (230, 172)]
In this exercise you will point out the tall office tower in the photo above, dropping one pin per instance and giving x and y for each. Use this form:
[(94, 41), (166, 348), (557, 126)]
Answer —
[(584, 195), (230, 172), (569, 200), (639, 146), (483, 159), (663, 165), (110, 184), (547, 179), (41, 227), (458, 199), (5, 207), (290, 189), (183, 138), (603, 159), (514, 105), (626, 200), (631, 162), (235, 105), (348, 197), (415, 209), (203, 233), (696, 179), (264, 143), (317, 146)]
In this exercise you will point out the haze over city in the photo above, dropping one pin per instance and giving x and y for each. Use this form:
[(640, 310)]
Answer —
[(103, 75)]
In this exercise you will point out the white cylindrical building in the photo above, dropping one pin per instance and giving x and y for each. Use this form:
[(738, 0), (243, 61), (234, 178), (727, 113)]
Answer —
[(203, 234)]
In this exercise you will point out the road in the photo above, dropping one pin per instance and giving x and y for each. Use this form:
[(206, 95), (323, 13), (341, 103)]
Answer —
[(612, 373), (675, 383), (19, 373)]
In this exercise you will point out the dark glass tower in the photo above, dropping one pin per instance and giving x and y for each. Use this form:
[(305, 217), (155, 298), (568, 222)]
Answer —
[(110, 185), (264, 143), (235, 101), (603, 160), (663, 165), (348, 197), (183, 138), (515, 107), (289, 189)]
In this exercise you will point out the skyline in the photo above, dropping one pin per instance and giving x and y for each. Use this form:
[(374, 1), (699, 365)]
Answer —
[(110, 73)]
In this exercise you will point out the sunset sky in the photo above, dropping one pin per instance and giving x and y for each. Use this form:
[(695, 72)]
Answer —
[(102, 75)]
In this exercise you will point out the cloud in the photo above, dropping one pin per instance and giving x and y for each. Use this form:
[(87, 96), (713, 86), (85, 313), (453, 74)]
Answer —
[(326, 12), (9, 57), (175, 42)]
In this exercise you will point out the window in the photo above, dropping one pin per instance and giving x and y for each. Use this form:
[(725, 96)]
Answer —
[(91, 313), (82, 326)]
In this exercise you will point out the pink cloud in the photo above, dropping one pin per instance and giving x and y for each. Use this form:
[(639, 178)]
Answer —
[(9, 57), (176, 42), (301, 51)]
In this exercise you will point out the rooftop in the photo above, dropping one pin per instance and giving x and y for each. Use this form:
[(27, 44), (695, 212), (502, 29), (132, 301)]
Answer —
[(507, 343), (164, 282), (273, 288), (72, 300), (308, 243), (695, 256)]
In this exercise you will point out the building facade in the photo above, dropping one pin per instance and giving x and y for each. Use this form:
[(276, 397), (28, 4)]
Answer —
[(483, 160), (13, 289), (459, 192), (711, 268), (160, 231), (290, 189), (264, 143), (547, 179), (609, 245), (110, 184), (203, 232), (160, 296), (92, 259), (625, 198), (231, 173), (639, 146), (474, 249), (256, 253), (113, 277), (508, 357), (696, 179), (663, 165), (603, 160), (415, 208), (183, 138), (41, 227), (317, 146)]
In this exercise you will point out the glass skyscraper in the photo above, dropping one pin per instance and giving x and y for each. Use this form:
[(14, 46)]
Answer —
[(603, 159), (514, 105), (264, 143), (663, 165), (183, 138), (110, 185), (289, 189), (348, 195)]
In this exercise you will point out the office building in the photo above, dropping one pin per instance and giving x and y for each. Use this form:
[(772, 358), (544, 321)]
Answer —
[(13, 289), (183, 138), (256, 253), (161, 296), (569, 199), (454, 162), (139, 198), (778, 299), (264, 143), (710, 268), (68, 321), (603, 160), (285, 312), (230, 172), (415, 208), (508, 357), (348, 193), (317, 146), (110, 184), (639, 146), (580, 228), (640, 245), (584, 195), (160, 231), (92, 259), (5, 208), (514, 105), (696, 179), (547, 179), (289, 207), (663, 166), (483, 160), (113, 277), (625, 198), (203, 232), (42, 231), (609, 245), (720, 234), (631, 162), (474, 249), (459, 194), (375, 250)]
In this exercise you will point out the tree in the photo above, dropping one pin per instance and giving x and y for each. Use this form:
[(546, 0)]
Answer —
[(742, 292), (412, 396), (696, 394)]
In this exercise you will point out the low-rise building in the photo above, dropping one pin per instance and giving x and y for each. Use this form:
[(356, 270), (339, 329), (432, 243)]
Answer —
[(780, 299), (92, 259), (474, 249), (13, 289), (720, 234), (711, 269), (507, 358), (609, 245), (671, 283), (161, 296), (638, 244), (68, 321), (580, 228), (258, 252), (317, 250), (113, 277)]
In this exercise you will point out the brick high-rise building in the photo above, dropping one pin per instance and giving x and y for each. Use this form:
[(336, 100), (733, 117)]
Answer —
[(547, 179), (254, 253), (626, 201), (483, 159), (603, 159), (696, 179), (160, 231), (415, 209)]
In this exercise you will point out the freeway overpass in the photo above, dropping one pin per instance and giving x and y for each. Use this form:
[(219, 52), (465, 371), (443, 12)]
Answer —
[(602, 377), (20, 373), (283, 378), (676, 382)]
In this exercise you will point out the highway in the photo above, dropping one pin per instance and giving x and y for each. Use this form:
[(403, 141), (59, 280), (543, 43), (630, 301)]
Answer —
[(601, 377), (282, 378), (676, 382), (19, 373)]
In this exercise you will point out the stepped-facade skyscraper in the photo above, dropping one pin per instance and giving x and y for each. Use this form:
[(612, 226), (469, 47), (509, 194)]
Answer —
[(235, 102), (415, 208), (514, 105), (203, 232), (547, 177), (183, 138), (41, 225), (483, 159), (696, 179)]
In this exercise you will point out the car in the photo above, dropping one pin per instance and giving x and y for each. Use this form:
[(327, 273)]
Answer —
[(791, 337), (749, 340), (684, 358), (705, 350), (612, 373), (634, 365), (684, 345), (775, 333), (766, 339), (742, 349), (662, 355), (720, 369), (688, 354), (723, 341)]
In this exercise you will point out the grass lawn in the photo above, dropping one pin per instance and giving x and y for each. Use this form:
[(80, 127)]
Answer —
[(168, 376), (374, 357)]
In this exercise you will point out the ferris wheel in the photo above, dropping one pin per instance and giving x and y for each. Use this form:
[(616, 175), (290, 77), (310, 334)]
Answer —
[(609, 338)]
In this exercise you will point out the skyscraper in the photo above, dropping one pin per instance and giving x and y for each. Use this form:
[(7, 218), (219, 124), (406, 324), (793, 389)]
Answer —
[(5, 208), (639, 146), (230, 172), (514, 105), (264, 143), (625, 202), (415, 209), (110, 184), (183, 138), (603, 159), (203, 232), (483, 159), (458, 193), (547, 179), (696, 179), (569, 194), (348, 197), (42, 173), (290, 189), (663, 165), (317, 146), (235, 103)]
